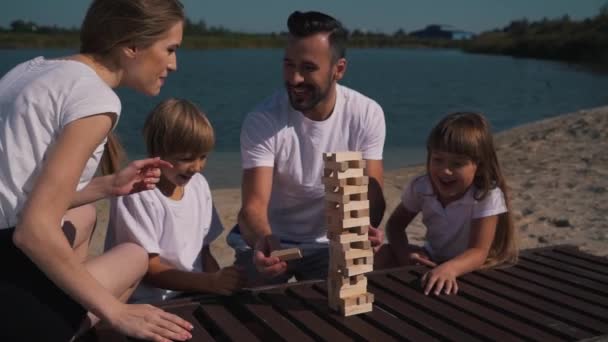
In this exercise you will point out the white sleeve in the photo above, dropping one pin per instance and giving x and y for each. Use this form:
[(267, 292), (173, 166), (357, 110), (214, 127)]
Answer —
[(216, 228), (137, 220), (492, 204), (372, 145), (257, 141), (89, 96), (410, 198)]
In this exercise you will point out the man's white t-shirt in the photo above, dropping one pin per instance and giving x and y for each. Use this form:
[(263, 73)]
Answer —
[(38, 98), (275, 135), (175, 230), (448, 228)]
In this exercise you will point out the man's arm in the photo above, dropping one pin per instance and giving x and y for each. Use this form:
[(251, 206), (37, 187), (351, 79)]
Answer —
[(377, 204), (253, 217)]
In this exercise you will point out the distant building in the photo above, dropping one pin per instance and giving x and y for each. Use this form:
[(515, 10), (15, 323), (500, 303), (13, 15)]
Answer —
[(442, 32)]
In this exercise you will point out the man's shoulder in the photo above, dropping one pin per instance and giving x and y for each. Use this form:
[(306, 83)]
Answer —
[(354, 97)]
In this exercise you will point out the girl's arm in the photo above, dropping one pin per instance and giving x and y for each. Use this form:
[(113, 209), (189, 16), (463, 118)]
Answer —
[(480, 241), (166, 276), (397, 236), (39, 234)]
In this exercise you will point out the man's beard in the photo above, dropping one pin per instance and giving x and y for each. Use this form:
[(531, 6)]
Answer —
[(315, 96)]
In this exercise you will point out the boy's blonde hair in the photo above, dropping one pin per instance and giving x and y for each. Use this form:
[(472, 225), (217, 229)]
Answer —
[(176, 127), (469, 134)]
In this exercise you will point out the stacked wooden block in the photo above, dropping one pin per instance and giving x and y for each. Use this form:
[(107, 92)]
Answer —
[(347, 213)]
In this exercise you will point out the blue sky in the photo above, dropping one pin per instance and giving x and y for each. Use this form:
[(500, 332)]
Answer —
[(377, 15)]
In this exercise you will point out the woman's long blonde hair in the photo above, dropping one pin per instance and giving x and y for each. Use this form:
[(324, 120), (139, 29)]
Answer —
[(469, 134), (111, 23)]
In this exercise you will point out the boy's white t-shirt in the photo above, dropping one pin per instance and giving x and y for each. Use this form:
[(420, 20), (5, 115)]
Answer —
[(276, 135), (175, 230), (448, 228), (38, 98)]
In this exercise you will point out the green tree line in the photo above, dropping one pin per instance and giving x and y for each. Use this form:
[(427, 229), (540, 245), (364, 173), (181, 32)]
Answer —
[(584, 41)]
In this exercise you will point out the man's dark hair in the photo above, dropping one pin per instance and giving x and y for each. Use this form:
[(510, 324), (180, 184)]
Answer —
[(305, 24)]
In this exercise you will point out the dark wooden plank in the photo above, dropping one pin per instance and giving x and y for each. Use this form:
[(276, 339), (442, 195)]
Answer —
[(228, 324), (506, 314), (573, 270), (584, 261), (576, 253), (304, 319), (561, 288), (352, 323), (271, 319), (396, 327), (549, 307), (596, 290), (186, 311), (396, 304), (467, 312)]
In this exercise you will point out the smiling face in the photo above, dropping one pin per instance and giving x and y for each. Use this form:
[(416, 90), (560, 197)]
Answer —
[(310, 73), (173, 180), (451, 175), (147, 67)]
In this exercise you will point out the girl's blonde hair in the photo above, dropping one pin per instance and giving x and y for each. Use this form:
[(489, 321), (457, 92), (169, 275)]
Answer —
[(176, 127), (469, 134)]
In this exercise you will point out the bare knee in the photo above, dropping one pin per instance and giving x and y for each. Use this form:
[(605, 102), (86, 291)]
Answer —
[(136, 255)]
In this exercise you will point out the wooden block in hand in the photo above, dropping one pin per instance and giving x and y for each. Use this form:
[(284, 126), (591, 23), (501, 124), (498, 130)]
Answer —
[(287, 254)]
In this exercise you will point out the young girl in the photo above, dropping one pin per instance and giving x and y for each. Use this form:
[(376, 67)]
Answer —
[(176, 221), (55, 116), (464, 204)]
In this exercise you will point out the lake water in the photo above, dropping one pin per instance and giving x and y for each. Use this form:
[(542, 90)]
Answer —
[(415, 87)]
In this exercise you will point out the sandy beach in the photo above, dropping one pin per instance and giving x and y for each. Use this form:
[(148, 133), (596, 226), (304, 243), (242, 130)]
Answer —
[(557, 170)]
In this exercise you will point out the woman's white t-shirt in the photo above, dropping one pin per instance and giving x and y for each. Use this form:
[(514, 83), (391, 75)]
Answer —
[(448, 228), (38, 98), (175, 230)]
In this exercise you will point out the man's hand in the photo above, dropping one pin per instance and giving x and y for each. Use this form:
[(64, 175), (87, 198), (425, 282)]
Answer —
[(376, 237), (265, 264)]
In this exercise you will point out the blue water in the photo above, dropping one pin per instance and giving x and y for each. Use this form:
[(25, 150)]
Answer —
[(415, 87)]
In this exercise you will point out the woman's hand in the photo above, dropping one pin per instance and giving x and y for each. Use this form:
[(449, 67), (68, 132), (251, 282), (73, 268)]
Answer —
[(138, 176), (440, 278), (151, 323)]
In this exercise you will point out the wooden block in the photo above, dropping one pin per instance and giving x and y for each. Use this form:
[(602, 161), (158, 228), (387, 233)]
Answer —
[(333, 181), (358, 230), (358, 197), (350, 173), (366, 244), (357, 269), (342, 156), (346, 207), (336, 166), (347, 189), (337, 198), (357, 309), (336, 225), (358, 181), (359, 213), (356, 164), (358, 253), (346, 237), (287, 254)]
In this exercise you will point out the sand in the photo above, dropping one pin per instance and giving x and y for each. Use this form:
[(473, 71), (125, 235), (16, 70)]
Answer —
[(557, 170)]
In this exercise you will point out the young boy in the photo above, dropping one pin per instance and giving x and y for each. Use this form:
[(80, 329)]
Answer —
[(176, 221)]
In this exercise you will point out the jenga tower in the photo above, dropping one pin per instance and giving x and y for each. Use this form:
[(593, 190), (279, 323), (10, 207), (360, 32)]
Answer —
[(350, 252)]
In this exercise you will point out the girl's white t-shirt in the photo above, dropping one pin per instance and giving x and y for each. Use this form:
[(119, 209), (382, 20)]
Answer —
[(38, 98), (448, 228), (175, 230)]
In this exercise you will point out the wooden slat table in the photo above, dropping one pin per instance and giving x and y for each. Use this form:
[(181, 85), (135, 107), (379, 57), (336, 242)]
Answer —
[(553, 294)]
